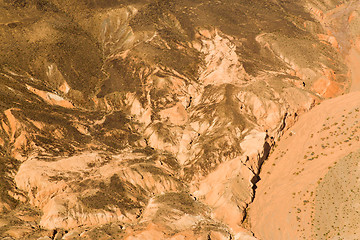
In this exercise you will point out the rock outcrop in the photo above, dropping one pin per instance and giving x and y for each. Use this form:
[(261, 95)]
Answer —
[(152, 119)]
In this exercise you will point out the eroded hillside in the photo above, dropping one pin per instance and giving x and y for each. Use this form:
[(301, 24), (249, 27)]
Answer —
[(151, 119)]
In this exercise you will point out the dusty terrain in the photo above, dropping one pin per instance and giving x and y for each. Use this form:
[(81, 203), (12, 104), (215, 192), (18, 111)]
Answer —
[(153, 119), (297, 181)]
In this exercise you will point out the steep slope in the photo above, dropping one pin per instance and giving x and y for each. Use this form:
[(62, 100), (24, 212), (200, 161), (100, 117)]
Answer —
[(129, 119), (299, 195)]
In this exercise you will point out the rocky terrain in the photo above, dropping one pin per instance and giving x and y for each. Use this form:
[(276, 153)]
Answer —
[(152, 119)]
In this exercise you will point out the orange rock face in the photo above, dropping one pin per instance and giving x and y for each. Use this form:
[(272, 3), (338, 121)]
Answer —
[(326, 86)]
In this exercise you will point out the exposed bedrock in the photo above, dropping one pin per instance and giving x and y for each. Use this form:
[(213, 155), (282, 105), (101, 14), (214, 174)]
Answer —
[(156, 115)]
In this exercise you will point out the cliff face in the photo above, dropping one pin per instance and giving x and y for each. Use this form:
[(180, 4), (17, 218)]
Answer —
[(151, 119)]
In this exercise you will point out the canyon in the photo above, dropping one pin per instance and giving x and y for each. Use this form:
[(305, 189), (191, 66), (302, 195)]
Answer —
[(156, 119)]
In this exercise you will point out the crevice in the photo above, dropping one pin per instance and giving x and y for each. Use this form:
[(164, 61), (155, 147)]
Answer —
[(269, 145), (256, 178), (189, 104), (283, 123)]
